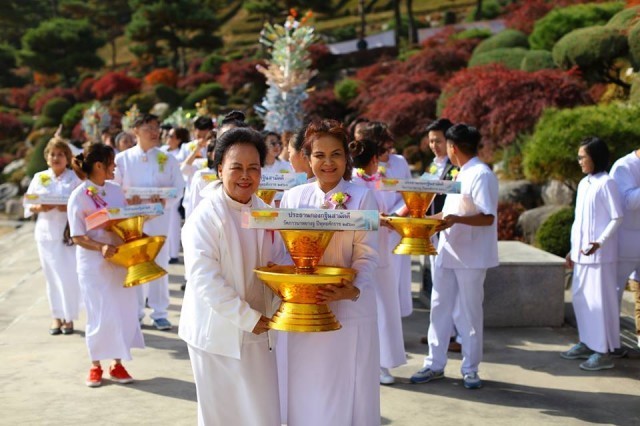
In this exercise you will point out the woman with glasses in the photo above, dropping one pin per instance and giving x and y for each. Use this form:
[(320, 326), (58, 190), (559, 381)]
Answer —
[(593, 257), (272, 164)]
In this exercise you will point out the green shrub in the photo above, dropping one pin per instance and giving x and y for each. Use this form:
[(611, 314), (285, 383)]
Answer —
[(212, 63), (344, 33), (491, 9), (593, 49), (144, 101), (510, 57), (634, 95), (346, 90), (44, 121), (208, 90), (481, 33), (506, 38), (551, 151), (625, 18), (548, 30), (26, 120), (634, 44), (536, 60), (168, 94), (554, 235), (36, 161), (449, 17), (56, 108), (73, 116)]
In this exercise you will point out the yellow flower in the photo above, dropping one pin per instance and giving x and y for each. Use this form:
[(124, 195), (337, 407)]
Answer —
[(162, 160), (45, 179), (92, 190), (382, 171), (433, 169), (340, 199), (454, 173)]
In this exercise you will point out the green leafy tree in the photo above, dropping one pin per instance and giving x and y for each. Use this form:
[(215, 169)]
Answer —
[(596, 51), (108, 17), (61, 46), (18, 16), (548, 30), (7, 63), (176, 26)]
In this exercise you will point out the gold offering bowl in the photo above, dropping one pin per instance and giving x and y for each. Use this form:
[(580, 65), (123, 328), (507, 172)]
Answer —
[(416, 230), (266, 195), (138, 252), (298, 285)]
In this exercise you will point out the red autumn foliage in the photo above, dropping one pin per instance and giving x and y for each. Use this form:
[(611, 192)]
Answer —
[(194, 65), (10, 126), (235, 74), (441, 58), (115, 83), (508, 214), (406, 113), (503, 103), (69, 94), (165, 76), (523, 15), (20, 96), (193, 81), (320, 56), (85, 89), (323, 104)]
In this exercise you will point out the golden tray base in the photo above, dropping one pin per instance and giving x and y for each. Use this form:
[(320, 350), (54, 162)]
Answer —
[(138, 257), (416, 234), (299, 311)]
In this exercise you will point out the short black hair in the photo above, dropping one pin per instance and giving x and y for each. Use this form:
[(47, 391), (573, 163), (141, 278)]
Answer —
[(466, 138), (203, 123), (144, 119), (598, 150), (236, 136), (440, 125)]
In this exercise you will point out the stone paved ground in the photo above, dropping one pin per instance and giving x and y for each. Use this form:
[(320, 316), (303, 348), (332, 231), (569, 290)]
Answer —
[(526, 382)]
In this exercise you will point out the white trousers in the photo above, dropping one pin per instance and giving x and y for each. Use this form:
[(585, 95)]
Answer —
[(597, 306), (625, 268), (238, 392), (173, 237), (156, 292), (464, 288)]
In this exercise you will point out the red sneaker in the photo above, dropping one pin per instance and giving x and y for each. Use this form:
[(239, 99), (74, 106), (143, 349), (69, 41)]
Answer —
[(119, 374), (95, 377)]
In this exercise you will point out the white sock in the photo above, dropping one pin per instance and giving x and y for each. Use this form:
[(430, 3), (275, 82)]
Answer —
[(385, 371)]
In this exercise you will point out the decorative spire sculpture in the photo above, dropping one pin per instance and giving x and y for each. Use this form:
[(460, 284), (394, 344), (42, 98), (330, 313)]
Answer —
[(94, 120), (288, 72)]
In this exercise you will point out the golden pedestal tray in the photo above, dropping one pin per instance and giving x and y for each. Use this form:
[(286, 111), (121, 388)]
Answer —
[(297, 285), (138, 251), (266, 195), (416, 230)]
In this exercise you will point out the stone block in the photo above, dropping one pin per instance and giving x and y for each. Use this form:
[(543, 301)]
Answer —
[(526, 290)]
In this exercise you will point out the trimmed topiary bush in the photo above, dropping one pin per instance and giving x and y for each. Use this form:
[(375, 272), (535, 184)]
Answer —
[(168, 94), (536, 60), (594, 50), (634, 44), (56, 108), (481, 33), (559, 22), (506, 38), (144, 101), (44, 122), (510, 57), (625, 18), (554, 235), (73, 116), (36, 161), (212, 63), (346, 90), (551, 151), (491, 9), (209, 90), (634, 96)]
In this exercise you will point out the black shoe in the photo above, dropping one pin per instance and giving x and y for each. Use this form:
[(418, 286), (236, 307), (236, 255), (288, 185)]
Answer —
[(173, 260), (55, 331)]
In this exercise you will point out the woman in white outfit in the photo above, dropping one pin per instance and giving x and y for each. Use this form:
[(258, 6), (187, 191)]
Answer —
[(112, 310), (225, 311), (392, 354), (593, 257), (58, 260), (333, 377)]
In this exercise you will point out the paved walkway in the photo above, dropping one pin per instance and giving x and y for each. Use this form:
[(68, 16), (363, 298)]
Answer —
[(526, 382)]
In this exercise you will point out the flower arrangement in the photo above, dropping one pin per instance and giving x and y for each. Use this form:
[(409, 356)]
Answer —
[(45, 179), (130, 117), (162, 160), (95, 119), (180, 118), (433, 169), (365, 177), (454, 173), (339, 200), (382, 171), (96, 196)]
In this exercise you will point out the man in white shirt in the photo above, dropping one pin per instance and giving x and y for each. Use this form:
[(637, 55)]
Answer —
[(468, 246), (626, 173), (145, 165)]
